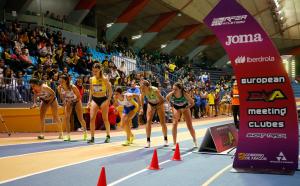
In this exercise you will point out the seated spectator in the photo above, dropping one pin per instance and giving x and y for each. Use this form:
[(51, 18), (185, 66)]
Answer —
[(105, 62), (38, 74), (24, 57), (113, 117), (10, 91)]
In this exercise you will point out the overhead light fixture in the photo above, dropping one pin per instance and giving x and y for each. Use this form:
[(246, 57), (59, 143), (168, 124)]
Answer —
[(109, 25), (136, 37), (179, 14), (163, 45)]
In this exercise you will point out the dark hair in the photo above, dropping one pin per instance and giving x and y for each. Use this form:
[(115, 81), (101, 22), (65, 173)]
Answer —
[(119, 90), (179, 86), (146, 83), (66, 77), (97, 65), (35, 81)]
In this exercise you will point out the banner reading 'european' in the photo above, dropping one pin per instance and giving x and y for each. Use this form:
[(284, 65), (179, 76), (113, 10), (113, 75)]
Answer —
[(268, 135)]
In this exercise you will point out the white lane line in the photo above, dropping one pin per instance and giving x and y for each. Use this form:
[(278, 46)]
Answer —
[(47, 170), (141, 171), (214, 177)]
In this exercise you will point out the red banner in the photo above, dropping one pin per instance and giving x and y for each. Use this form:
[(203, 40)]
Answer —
[(268, 136)]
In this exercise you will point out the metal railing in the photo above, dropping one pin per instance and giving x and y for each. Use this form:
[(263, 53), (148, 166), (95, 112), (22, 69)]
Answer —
[(159, 72)]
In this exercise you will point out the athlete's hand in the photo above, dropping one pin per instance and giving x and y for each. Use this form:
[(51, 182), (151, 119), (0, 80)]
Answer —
[(88, 105), (33, 106), (141, 111)]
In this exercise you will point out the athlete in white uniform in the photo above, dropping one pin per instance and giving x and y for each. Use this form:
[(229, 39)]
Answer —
[(130, 108), (71, 98), (47, 96)]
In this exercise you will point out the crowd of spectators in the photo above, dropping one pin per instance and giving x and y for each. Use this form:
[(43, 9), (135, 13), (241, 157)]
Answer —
[(55, 55)]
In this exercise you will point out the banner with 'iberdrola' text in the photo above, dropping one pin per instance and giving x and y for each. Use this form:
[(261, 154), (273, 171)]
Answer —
[(268, 135)]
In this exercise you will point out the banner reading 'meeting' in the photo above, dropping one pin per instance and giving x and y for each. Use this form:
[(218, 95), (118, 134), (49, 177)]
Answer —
[(268, 136)]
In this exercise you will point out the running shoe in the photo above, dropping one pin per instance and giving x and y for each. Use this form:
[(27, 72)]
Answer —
[(67, 138), (131, 139), (91, 141), (166, 143), (148, 144), (107, 139), (84, 136), (41, 137), (195, 145), (126, 143)]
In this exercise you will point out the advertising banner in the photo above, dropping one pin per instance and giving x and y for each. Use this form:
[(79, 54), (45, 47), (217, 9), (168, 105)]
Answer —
[(219, 138), (268, 135)]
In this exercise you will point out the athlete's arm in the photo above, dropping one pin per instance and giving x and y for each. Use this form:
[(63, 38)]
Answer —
[(90, 94), (169, 96), (76, 92), (109, 88), (48, 89), (190, 100), (160, 97)]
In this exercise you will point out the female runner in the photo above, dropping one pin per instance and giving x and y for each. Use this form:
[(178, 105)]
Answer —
[(181, 103), (100, 95), (155, 103), (47, 96), (130, 108), (71, 98)]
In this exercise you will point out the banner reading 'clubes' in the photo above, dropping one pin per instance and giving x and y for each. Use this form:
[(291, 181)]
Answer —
[(268, 136)]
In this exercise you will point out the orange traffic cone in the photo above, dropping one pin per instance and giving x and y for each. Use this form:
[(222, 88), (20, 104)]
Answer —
[(154, 163), (102, 178), (176, 156)]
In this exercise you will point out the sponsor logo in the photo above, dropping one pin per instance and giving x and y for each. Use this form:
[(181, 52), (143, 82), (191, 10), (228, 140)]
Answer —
[(251, 156), (267, 111), (266, 96), (263, 80), (281, 158), (266, 124), (267, 135), (231, 20), (244, 59), (245, 38)]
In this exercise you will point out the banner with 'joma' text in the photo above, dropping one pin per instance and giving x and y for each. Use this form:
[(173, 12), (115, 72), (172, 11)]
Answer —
[(268, 135)]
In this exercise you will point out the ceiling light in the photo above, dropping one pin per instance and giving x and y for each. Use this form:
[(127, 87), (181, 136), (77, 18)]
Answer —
[(109, 25), (163, 45), (136, 37)]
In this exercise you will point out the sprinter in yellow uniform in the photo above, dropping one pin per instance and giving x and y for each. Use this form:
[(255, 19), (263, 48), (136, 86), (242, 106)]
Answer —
[(100, 96)]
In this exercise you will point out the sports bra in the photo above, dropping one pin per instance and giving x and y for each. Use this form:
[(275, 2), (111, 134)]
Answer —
[(178, 101), (125, 102), (44, 95), (151, 96), (68, 95)]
